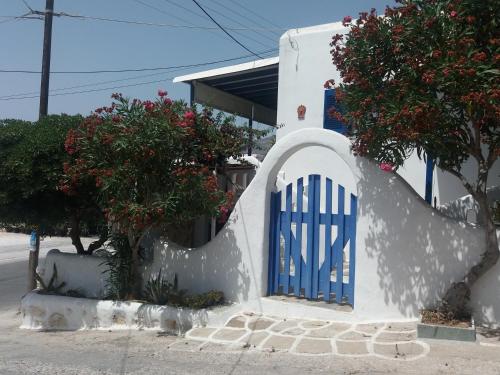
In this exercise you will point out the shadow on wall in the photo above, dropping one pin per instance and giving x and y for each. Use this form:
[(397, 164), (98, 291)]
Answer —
[(217, 266), (418, 251)]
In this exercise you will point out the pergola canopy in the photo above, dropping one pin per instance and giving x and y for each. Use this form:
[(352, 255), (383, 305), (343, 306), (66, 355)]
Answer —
[(249, 90)]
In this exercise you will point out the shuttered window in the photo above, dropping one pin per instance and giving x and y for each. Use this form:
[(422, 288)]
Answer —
[(330, 122)]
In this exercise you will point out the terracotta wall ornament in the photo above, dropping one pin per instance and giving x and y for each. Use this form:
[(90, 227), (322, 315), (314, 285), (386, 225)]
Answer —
[(301, 112)]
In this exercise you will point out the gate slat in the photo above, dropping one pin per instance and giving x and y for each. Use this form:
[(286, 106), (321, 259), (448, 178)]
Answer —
[(310, 237), (315, 257), (272, 241), (297, 249), (327, 264), (352, 247), (339, 250), (277, 245), (287, 234)]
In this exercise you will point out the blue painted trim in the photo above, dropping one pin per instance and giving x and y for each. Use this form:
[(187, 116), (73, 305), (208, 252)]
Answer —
[(327, 264), (277, 245), (272, 227), (308, 275), (352, 249), (338, 252), (287, 231), (297, 250), (429, 171), (315, 257), (310, 237)]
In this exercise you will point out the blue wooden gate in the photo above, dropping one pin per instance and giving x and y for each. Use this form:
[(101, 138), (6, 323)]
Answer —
[(298, 265)]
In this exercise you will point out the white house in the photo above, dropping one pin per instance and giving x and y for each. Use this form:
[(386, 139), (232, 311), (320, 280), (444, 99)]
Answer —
[(317, 221)]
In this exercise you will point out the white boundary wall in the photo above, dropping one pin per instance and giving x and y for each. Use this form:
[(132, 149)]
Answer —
[(407, 253)]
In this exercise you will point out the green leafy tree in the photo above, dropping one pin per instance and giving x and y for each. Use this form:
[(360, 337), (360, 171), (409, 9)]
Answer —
[(426, 77), (32, 158), (153, 164)]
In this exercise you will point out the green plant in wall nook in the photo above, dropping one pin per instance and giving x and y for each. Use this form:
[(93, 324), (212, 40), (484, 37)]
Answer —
[(153, 163), (52, 287)]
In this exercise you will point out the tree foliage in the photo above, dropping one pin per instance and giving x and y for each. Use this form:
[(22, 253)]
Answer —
[(32, 156), (425, 77), (153, 163)]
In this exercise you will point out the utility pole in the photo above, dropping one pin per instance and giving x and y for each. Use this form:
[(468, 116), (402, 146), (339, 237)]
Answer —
[(44, 105), (47, 43)]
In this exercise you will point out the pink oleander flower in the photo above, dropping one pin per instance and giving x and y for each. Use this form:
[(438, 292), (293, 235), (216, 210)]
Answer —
[(386, 167)]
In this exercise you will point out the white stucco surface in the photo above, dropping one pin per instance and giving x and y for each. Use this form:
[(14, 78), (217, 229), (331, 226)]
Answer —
[(407, 253), (304, 65), (52, 312)]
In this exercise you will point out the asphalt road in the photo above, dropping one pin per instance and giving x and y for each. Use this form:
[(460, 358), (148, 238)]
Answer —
[(147, 352)]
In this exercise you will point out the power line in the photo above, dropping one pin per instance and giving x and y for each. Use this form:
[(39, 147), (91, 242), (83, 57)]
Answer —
[(255, 14), (140, 69), (117, 20), (258, 31), (15, 96), (274, 30), (203, 17), (93, 90), (225, 31)]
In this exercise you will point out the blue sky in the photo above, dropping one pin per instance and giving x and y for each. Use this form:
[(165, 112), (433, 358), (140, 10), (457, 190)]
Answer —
[(82, 45)]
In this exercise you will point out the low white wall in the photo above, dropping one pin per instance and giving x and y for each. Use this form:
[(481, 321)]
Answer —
[(80, 272), (407, 254), (51, 312)]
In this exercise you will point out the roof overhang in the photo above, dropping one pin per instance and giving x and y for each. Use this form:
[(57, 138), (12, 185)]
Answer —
[(249, 90)]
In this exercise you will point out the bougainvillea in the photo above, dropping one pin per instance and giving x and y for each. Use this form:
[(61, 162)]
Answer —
[(153, 162), (425, 77)]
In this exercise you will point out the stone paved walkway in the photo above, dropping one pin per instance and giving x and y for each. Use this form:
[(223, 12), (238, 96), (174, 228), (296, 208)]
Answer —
[(395, 341)]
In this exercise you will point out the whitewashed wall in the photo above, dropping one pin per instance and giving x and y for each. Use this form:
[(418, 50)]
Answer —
[(407, 253), (305, 65)]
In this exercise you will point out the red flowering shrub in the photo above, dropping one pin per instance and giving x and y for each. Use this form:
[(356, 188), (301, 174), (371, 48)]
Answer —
[(426, 77), (153, 163)]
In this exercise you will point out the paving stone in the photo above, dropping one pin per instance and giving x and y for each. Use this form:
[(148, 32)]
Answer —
[(310, 346), (350, 347), (329, 331), (216, 347), (185, 345), (237, 322), (279, 343), (401, 327), (294, 331), (369, 328), (203, 332), (403, 350), (255, 338), (314, 324), (229, 334), (396, 336), (354, 336), (284, 325), (259, 324)]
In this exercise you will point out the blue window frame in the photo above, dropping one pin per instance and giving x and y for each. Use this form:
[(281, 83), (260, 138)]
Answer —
[(328, 122)]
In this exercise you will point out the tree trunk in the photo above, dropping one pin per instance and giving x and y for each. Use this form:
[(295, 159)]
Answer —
[(458, 295), (74, 233), (136, 275), (97, 244)]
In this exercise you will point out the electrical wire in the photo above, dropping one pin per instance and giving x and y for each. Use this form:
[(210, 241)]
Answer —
[(93, 90), (137, 70), (236, 31), (16, 96), (225, 31), (258, 31)]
